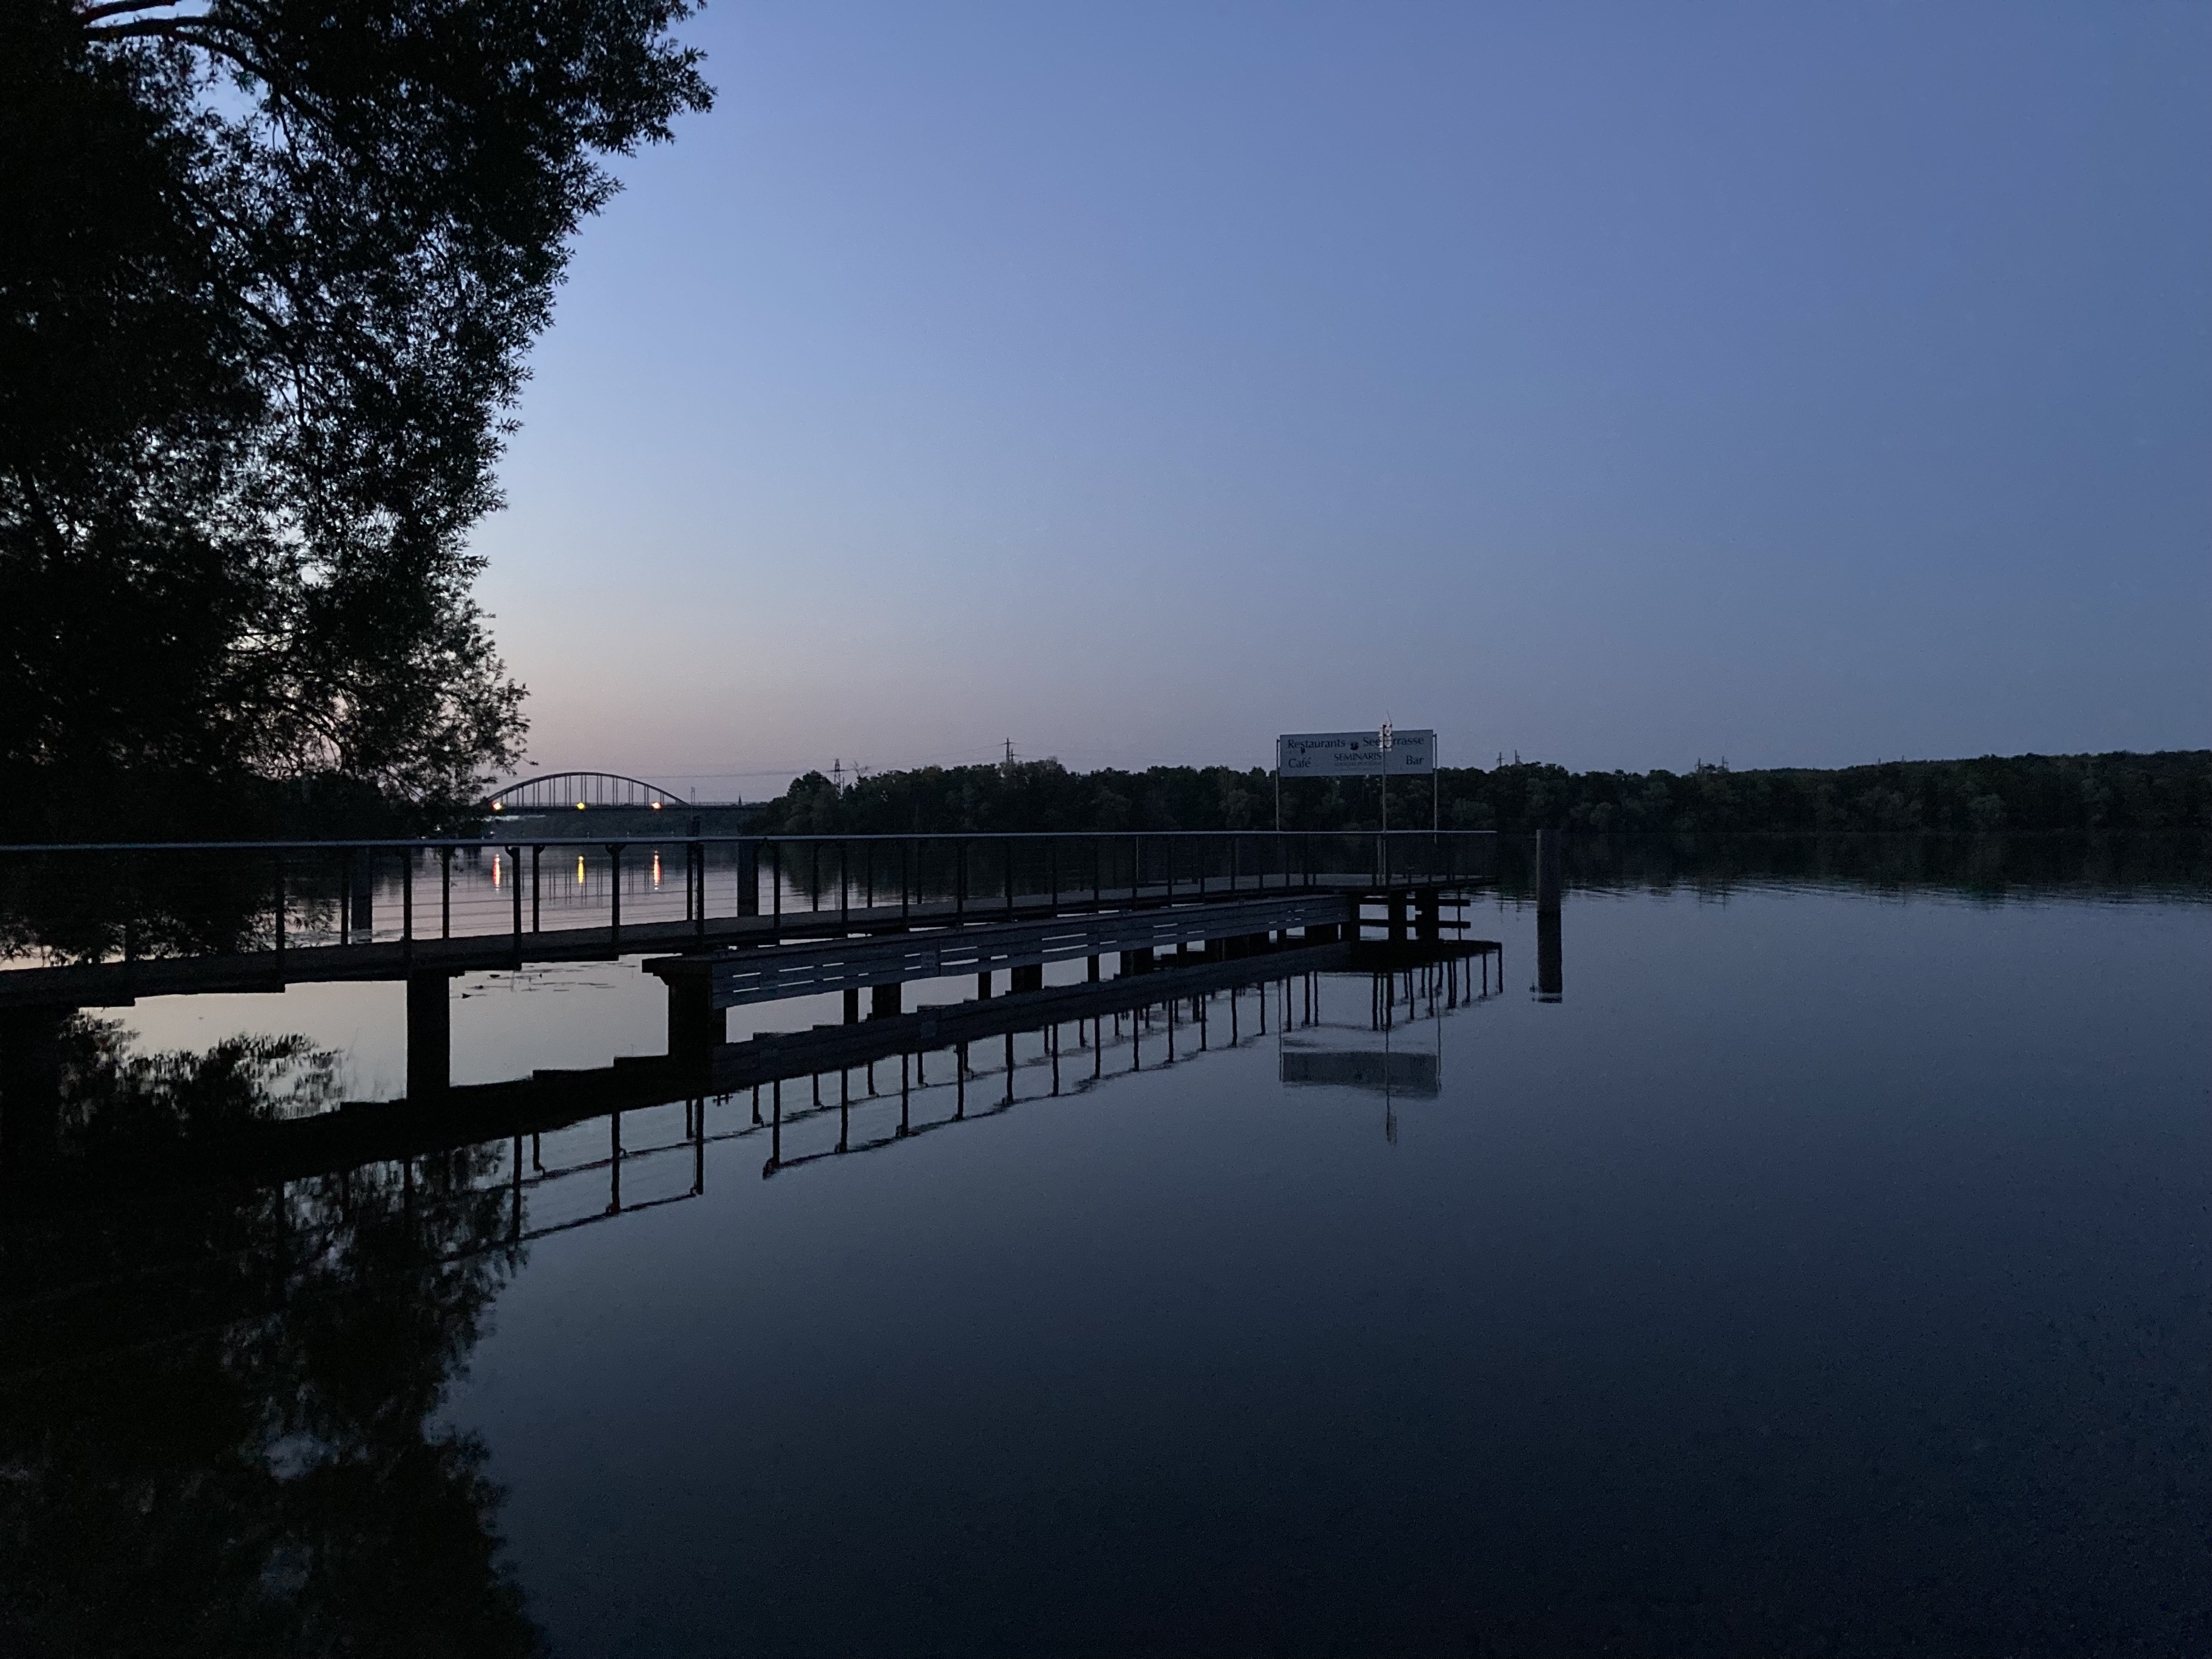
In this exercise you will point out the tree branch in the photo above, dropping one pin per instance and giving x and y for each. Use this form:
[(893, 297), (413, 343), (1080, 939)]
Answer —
[(118, 7), (216, 42)]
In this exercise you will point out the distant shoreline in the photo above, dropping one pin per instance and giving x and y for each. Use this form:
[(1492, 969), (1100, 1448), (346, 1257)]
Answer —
[(2171, 790)]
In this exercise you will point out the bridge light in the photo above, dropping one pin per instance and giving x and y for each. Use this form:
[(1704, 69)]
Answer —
[(580, 806), (498, 807), (656, 806)]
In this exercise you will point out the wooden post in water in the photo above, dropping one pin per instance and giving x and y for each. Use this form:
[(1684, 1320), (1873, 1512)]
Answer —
[(430, 1034)]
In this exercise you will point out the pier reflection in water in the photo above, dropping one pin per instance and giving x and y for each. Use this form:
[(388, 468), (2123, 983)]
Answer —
[(220, 1383), (1826, 1263)]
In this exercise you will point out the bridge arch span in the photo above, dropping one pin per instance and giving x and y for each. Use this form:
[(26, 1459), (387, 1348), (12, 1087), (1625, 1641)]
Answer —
[(558, 790)]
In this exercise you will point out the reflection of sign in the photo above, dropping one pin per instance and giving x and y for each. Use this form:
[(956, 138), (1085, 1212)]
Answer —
[(1400, 1073), (1354, 754)]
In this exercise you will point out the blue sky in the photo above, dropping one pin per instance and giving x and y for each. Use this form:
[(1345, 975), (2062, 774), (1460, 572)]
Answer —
[(1619, 385)]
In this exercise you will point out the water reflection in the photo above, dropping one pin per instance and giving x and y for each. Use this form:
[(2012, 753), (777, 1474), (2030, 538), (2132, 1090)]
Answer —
[(2139, 868), (217, 1400), (1821, 1266), (220, 1393), (1551, 979)]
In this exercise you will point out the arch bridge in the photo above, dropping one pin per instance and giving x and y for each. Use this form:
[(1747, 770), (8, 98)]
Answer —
[(557, 791)]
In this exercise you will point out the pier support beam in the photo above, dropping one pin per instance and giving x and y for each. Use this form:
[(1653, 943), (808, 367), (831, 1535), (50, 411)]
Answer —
[(695, 1024), (1092, 975), (430, 1034), (1429, 914), (984, 984), (1028, 977), (852, 1005), (884, 1000), (1136, 962)]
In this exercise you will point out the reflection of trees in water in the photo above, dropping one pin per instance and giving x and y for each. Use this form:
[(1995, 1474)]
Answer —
[(216, 1404), (2163, 866), (88, 907)]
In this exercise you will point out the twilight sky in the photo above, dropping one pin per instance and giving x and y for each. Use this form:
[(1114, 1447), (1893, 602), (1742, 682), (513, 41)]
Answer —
[(1621, 384)]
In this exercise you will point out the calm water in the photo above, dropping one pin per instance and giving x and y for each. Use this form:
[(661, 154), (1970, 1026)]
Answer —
[(1824, 1271)]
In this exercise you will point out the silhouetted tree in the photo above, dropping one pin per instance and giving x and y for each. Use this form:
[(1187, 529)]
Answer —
[(269, 270)]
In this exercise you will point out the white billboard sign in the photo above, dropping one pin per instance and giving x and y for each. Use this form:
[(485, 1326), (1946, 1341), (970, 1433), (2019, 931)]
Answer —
[(1355, 754)]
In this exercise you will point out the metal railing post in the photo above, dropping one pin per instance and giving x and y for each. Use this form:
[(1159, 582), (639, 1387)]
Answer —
[(279, 859), (515, 853), (445, 892), (407, 901), (614, 895), (536, 857)]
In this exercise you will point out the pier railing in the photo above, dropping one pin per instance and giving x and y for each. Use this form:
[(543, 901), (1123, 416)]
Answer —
[(104, 904)]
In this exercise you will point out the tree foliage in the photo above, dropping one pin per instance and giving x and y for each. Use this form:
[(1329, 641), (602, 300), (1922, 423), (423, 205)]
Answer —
[(271, 270), (2167, 791)]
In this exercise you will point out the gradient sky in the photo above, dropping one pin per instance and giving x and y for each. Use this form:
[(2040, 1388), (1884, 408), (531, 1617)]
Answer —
[(1620, 384)]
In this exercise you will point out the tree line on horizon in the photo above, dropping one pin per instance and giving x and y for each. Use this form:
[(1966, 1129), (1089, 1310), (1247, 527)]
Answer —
[(2170, 790)]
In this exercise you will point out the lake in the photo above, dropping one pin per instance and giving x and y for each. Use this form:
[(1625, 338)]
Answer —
[(1822, 1268)]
